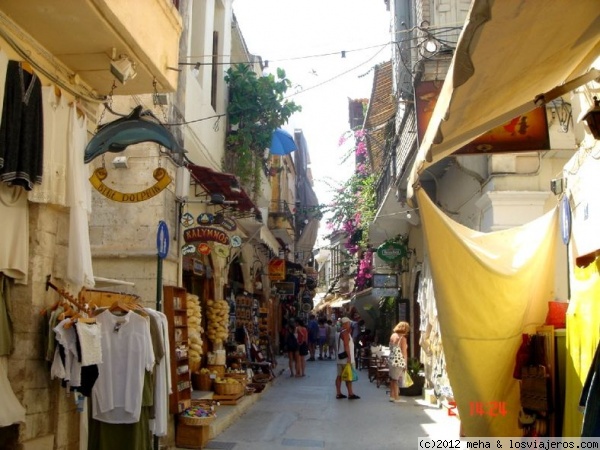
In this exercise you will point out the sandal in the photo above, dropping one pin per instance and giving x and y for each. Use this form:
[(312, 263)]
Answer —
[(340, 396), (353, 397)]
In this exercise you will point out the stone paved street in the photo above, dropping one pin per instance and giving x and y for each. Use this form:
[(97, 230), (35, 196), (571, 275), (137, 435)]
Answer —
[(303, 414)]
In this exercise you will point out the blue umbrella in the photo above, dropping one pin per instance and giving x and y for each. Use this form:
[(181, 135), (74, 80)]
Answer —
[(282, 143)]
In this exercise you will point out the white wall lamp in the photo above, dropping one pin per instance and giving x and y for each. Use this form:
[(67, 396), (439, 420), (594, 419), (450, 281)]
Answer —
[(123, 69), (120, 162)]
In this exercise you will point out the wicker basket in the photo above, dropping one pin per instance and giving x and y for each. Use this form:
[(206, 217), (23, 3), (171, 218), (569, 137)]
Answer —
[(258, 387), (241, 377), (228, 388), (261, 378), (217, 368), (196, 421)]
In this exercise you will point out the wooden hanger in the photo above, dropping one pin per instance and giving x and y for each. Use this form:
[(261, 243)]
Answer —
[(80, 112), (119, 306), (26, 67), (57, 92), (87, 319), (139, 309)]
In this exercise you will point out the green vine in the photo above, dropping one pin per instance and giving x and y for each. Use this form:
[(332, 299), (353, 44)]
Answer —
[(257, 107)]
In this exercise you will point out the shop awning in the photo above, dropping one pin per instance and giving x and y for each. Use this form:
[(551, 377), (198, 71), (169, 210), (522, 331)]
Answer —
[(267, 237), (226, 184), (508, 55), (257, 230), (339, 303)]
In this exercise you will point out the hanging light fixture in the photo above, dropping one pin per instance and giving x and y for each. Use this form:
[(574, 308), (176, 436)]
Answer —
[(592, 118), (123, 69)]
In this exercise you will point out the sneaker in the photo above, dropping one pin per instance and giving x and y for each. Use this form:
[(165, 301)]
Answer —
[(311, 359), (399, 401), (392, 399)]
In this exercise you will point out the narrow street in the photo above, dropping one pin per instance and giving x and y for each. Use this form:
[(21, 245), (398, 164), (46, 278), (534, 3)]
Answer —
[(303, 413)]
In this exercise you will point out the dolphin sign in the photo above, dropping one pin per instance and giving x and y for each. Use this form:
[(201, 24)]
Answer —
[(116, 136)]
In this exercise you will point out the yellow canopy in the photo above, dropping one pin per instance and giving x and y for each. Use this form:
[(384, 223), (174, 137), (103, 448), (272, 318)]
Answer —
[(489, 289)]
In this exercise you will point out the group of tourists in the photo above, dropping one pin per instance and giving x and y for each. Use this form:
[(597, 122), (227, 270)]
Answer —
[(340, 342), (301, 340)]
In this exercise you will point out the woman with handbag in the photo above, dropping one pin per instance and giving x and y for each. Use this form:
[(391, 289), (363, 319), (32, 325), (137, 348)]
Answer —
[(397, 359)]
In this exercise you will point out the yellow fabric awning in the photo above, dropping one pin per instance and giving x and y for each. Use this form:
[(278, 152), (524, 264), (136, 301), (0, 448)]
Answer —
[(507, 55), (489, 289)]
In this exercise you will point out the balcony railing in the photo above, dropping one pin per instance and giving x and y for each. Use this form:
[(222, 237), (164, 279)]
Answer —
[(280, 209), (387, 178)]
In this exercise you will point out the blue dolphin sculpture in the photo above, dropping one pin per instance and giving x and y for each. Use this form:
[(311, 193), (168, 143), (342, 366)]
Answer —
[(116, 136)]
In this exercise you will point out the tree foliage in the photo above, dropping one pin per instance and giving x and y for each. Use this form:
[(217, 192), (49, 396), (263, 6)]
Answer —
[(257, 107)]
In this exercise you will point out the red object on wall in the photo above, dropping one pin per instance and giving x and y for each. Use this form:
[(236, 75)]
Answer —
[(557, 314)]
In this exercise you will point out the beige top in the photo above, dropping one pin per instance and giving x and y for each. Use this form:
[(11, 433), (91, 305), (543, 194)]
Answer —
[(14, 223)]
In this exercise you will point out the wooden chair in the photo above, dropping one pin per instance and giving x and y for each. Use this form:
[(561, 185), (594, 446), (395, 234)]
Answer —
[(364, 360), (383, 372), (372, 368)]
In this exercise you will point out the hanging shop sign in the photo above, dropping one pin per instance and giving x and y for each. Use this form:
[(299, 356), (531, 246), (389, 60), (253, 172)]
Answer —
[(392, 252), (187, 220), (285, 288), (277, 269), (236, 241), (139, 126), (205, 234), (160, 175), (228, 224), (205, 219), (381, 280), (204, 248), (198, 268)]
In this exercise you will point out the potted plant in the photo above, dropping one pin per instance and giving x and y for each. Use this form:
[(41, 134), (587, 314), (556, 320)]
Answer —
[(413, 367)]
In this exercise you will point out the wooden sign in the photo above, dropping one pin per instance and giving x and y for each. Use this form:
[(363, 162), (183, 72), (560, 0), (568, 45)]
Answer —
[(205, 234), (277, 269), (160, 175)]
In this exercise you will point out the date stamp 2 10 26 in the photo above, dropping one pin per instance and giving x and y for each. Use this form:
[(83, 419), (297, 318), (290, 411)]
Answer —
[(492, 409)]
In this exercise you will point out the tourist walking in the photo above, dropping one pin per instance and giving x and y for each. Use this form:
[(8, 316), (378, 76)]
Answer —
[(398, 359), (345, 356), (331, 340), (323, 335), (291, 346), (313, 336), (302, 336)]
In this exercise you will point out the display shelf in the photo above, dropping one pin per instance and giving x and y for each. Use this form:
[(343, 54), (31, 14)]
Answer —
[(174, 301)]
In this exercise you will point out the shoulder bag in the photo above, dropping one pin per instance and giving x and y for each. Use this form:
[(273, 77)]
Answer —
[(396, 358)]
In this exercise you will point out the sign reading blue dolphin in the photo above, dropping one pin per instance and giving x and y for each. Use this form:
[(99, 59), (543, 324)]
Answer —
[(116, 136)]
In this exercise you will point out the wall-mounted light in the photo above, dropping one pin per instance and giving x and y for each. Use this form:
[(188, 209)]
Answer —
[(123, 69), (120, 162), (196, 70), (592, 118)]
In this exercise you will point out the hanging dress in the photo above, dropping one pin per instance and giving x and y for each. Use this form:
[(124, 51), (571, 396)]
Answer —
[(21, 129)]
